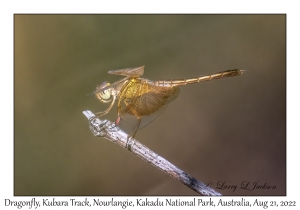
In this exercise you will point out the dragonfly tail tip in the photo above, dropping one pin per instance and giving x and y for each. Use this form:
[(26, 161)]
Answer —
[(242, 71)]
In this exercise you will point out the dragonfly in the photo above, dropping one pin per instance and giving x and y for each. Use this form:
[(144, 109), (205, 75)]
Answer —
[(141, 100)]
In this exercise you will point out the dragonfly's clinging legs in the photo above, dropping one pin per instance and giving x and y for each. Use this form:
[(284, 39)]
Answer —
[(121, 98), (98, 114), (135, 129), (129, 108)]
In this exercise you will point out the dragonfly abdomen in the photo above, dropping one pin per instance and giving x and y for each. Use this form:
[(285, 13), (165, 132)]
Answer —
[(181, 82)]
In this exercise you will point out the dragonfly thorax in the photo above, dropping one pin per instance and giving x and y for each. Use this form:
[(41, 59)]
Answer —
[(104, 96)]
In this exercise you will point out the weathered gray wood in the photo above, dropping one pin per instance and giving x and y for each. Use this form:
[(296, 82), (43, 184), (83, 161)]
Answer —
[(108, 130)]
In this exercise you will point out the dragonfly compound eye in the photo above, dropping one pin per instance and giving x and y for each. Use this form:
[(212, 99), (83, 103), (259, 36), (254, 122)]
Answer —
[(105, 95)]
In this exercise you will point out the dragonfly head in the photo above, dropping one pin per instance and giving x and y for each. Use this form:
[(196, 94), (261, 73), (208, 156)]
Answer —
[(104, 96)]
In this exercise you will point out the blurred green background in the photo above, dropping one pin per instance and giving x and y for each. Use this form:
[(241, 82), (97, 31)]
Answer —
[(230, 130)]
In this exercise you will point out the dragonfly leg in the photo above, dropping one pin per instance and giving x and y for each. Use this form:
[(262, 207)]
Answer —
[(121, 98), (137, 115), (130, 109), (98, 114), (120, 110), (136, 127)]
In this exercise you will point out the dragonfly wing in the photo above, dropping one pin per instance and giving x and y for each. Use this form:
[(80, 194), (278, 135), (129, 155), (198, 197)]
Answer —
[(131, 72), (116, 85), (130, 123)]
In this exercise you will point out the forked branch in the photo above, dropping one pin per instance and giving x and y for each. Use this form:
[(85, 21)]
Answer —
[(108, 130)]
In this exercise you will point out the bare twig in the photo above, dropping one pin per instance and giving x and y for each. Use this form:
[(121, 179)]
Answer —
[(108, 130)]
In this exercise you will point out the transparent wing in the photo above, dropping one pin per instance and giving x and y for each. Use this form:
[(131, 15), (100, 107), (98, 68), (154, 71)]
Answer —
[(129, 72), (130, 123), (115, 85), (142, 110)]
